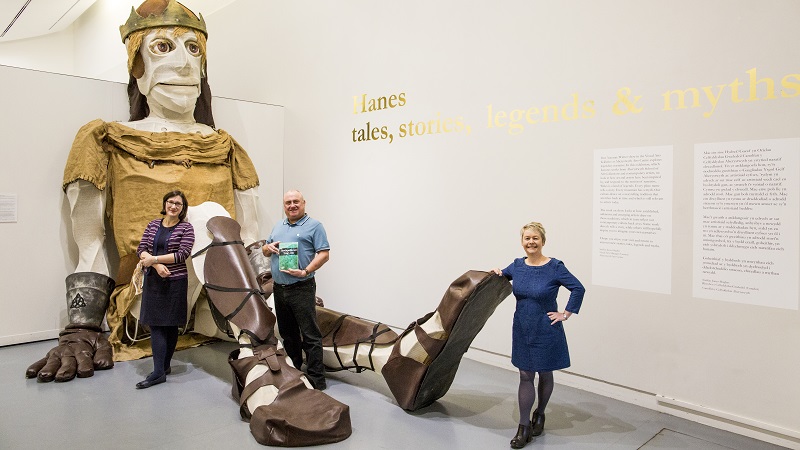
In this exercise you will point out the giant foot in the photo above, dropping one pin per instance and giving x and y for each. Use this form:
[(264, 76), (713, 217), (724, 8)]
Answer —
[(282, 408), (82, 348), (353, 343), (297, 416), (419, 366)]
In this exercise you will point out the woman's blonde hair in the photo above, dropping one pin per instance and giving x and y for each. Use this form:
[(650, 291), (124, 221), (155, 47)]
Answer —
[(535, 226)]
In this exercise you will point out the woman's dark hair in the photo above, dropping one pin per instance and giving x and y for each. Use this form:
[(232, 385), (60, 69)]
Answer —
[(169, 195)]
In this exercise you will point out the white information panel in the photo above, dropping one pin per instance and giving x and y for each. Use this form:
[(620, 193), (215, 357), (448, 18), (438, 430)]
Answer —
[(632, 220), (8, 208), (746, 218)]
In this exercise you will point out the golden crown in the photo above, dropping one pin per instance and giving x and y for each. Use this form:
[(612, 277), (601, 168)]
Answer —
[(174, 15)]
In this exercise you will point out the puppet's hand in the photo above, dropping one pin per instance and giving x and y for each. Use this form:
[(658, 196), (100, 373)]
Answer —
[(79, 352)]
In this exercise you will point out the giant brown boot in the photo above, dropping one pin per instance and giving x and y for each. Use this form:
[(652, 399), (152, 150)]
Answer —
[(82, 347)]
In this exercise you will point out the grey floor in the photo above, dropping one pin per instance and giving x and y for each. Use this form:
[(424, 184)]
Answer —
[(195, 410)]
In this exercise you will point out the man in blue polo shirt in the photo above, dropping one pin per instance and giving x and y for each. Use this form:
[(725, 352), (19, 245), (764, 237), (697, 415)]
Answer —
[(294, 285)]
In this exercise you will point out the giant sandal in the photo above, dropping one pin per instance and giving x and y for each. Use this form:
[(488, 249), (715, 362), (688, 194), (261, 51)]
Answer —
[(298, 416), (466, 306), (340, 330)]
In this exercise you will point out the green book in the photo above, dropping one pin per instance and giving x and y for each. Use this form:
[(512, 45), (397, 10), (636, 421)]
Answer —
[(287, 255)]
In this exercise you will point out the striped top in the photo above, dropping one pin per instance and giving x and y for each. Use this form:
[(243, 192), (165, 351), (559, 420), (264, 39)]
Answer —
[(179, 243)]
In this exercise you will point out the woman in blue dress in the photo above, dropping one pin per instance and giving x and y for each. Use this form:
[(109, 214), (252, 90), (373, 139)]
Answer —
[(539, 343)]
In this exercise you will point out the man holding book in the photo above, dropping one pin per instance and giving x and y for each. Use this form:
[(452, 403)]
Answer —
[(298, 247)]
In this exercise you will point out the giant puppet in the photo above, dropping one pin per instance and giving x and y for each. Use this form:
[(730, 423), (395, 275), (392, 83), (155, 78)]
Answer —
[(120, 170)]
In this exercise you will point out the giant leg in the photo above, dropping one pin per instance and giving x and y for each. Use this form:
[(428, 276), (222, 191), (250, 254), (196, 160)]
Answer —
[(420, 366), (82, 347), (87, 206), (272, 394), (247, 213)]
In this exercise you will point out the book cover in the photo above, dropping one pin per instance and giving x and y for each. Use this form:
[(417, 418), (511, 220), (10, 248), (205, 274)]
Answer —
[(287, 255)]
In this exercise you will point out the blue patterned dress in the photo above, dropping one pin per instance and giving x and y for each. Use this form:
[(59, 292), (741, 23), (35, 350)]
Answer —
[(538, 346)]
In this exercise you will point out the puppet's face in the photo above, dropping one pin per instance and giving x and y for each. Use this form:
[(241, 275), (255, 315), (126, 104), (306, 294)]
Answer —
[(172, 69)]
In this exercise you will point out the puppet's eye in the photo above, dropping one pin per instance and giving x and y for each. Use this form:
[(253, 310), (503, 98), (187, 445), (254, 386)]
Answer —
[(193, 48), (161, 46)]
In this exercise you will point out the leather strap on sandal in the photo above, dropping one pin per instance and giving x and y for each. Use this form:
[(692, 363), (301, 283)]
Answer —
[(371, 339), (228, 274), (340, 330), (215, 244), (250, 292), (279, 373)]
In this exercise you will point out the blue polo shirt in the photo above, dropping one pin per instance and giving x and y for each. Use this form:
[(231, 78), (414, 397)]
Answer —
[(310, 237)]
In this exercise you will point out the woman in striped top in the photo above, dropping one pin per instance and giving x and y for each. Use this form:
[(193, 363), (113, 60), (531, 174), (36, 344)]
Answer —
[(165, 246)]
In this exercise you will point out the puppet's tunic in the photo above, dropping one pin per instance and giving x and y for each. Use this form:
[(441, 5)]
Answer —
[(139, 167), (136, 168)]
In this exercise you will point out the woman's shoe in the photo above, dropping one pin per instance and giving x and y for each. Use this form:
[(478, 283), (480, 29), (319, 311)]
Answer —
[(146, 383), (537, 423), (523, 437), (167, 371)]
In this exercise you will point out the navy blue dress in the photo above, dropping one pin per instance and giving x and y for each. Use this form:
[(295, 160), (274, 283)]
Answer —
[(538, 346), (163, 299)]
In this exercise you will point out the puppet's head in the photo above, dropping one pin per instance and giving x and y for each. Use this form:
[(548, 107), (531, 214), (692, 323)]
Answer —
[(166, 45)]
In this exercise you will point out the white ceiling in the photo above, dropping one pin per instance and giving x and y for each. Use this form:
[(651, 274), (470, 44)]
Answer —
[(21, 19)]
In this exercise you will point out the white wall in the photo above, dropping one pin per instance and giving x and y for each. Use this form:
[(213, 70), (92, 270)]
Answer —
[(49, 53), (95, 33), (40, 119), (406, 218)]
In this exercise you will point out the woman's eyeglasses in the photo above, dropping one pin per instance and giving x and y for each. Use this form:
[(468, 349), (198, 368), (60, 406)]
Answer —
[(175, 204)]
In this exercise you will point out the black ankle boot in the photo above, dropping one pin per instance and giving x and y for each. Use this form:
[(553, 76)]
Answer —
[(523, 437), (537, 423)]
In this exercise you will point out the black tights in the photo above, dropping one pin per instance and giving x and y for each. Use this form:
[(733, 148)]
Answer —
[(527, 393), (163, 341)]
